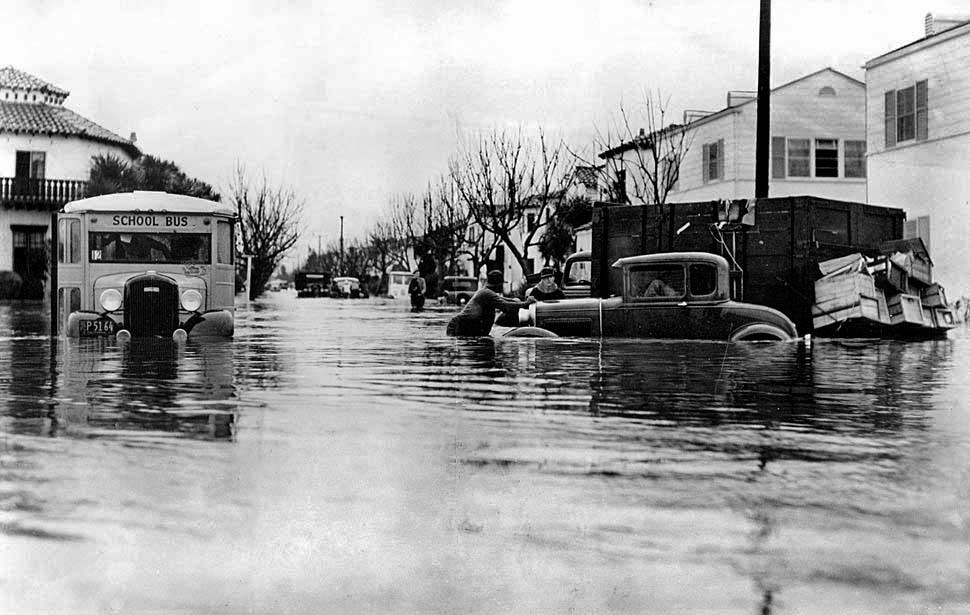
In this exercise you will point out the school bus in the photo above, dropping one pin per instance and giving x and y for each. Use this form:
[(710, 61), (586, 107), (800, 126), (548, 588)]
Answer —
[(143, 264)]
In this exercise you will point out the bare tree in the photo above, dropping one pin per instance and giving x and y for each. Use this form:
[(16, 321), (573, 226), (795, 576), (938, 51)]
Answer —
[(269, 221), (503, 178), (641, 152)]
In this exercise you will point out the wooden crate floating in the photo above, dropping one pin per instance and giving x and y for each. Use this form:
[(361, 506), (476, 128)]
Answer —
[(913, 256), (832, 313), (933, 296), (889, 274), (906, 309), (848, 286), (943, 317)]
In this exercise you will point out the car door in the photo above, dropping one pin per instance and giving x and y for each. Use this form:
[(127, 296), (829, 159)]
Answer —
[(653, 305)]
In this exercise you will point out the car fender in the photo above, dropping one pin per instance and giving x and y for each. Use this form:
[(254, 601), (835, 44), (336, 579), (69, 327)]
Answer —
[(529, 332), (760, 331)]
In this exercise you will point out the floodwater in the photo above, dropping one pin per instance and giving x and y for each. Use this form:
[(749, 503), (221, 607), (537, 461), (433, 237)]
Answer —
[(347, 457)]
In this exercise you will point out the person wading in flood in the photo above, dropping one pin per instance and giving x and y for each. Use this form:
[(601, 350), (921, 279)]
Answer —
[(417, 288), (478, 315), (546, 289)]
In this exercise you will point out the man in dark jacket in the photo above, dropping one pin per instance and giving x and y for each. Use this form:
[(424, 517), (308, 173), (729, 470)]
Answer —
[(417, 289), (478, 315)]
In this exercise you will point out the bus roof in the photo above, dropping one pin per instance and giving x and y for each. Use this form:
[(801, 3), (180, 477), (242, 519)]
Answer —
[(149, 201)]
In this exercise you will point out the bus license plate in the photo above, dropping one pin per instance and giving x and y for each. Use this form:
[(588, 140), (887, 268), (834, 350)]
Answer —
[(95, 328)]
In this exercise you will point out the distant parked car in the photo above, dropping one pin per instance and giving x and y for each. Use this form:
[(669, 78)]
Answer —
[(457, 290), (347, 288), (680, 295)]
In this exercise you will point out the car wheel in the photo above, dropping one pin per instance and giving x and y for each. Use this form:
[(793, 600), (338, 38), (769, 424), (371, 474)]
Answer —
[(761, 332)]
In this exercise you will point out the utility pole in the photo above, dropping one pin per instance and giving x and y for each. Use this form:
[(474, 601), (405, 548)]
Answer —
[(341, 245), (763, 140)]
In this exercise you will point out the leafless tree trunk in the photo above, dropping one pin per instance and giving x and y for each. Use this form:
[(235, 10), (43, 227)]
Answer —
[(269, 221), (504, 177), (642, 153)]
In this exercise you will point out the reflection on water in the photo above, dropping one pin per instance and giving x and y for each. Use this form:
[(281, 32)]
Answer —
[(348, 456)]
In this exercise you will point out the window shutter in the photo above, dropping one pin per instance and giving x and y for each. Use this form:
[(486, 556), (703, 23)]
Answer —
[(890, 108), (922, 108), (720, 158), (706, 154), (778, 157)]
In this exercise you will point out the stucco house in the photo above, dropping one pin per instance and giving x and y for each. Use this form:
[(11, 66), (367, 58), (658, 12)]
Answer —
[(45, 159), (818, 141), (918, 139)]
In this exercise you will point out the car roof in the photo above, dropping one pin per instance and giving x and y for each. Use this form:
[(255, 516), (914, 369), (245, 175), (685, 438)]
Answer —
[(667, 257)]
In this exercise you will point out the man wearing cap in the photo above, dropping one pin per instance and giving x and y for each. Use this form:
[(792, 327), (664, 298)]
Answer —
[(546, 289), (478, 315)]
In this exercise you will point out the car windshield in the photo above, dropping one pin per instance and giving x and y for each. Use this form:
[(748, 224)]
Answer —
[(113, 247), (657, 281), (578, 272)]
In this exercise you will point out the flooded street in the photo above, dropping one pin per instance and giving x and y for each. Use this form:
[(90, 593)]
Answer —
[(342, 456)]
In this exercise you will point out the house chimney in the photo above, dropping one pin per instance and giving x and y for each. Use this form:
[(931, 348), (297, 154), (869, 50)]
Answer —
[(643, 133), (934, 24), (133, 137)]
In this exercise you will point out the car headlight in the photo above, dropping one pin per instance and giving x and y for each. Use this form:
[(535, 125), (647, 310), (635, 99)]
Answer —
[(191, 300), (110, 300)]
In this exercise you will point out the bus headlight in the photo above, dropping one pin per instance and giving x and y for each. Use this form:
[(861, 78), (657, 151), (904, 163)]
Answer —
[(191, 300), (110, 300)]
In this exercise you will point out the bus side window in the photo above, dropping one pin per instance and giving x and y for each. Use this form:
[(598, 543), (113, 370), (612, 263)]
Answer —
[(75, 244), (61, 240), (69, 241), (224, 245)]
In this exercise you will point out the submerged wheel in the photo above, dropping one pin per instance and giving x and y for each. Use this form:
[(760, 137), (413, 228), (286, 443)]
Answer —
[(761, 332)]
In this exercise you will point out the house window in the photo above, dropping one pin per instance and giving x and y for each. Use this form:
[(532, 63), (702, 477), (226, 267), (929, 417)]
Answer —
[(855, 159), (530, 222), (778, 157), (799, 157), (906, 114), (826, 157), (826, 90), (713, 163)]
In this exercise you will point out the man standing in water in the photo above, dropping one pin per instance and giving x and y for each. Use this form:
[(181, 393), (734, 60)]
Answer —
[(478, 315), (417, 289)]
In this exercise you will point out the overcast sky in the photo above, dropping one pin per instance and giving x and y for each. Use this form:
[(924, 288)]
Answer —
[(352, 102)]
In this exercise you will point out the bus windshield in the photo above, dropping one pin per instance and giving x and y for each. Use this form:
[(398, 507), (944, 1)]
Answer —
[(114, 247)]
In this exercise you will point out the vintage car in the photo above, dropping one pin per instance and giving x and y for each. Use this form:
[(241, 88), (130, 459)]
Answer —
[(680, 295), (347, 288), (457, 290)]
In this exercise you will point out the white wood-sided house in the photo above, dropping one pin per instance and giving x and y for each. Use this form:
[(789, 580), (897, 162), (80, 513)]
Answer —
[(818, 142), (918, 138), (45, 160)]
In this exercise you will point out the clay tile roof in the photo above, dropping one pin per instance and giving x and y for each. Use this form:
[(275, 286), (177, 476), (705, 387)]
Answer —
[(10, 77), (39, 118), (586, 175)]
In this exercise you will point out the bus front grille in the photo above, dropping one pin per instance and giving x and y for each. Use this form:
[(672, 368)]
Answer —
[(151, 306)]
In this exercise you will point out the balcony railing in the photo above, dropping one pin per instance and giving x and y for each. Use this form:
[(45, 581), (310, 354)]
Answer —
[(44, 194)]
